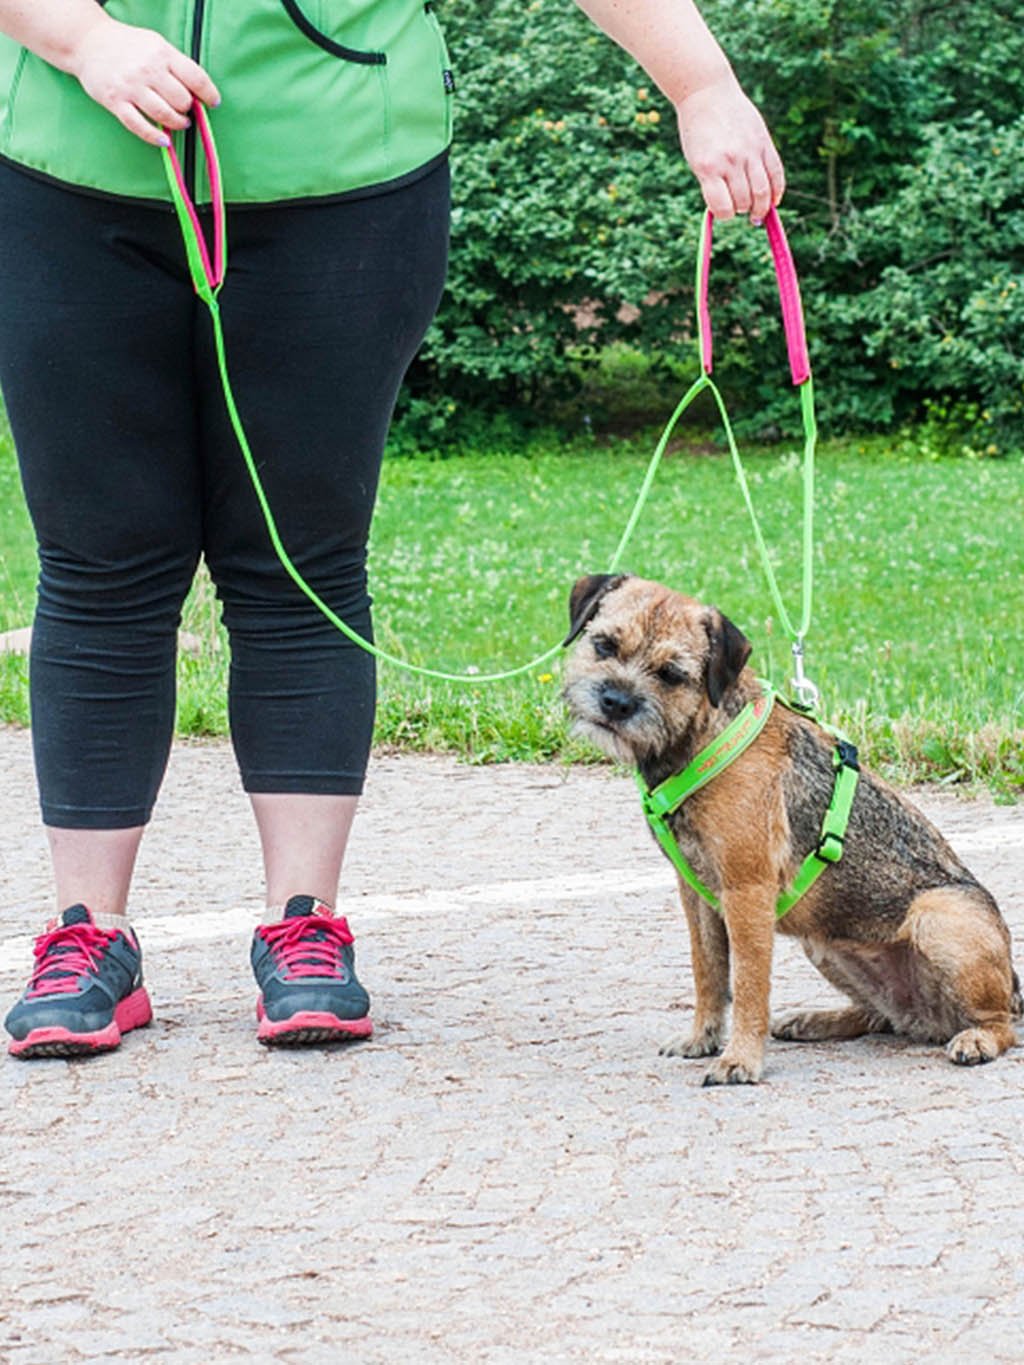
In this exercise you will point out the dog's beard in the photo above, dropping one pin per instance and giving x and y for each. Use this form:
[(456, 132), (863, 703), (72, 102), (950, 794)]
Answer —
[(628, 741), (609, 741)]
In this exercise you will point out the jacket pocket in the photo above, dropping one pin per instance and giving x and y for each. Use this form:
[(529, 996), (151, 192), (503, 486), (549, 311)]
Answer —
[(346, 54)]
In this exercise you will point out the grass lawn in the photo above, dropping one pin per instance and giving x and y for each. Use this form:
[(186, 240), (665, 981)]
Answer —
[(916, 634)]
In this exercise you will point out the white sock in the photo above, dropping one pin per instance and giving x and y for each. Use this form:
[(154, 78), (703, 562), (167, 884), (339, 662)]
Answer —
[(105, 920)]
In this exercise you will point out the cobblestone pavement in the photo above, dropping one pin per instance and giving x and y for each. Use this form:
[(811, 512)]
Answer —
[(508, 1171)]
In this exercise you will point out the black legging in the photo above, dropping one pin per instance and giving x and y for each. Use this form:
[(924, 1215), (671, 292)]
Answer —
[(131, 471)]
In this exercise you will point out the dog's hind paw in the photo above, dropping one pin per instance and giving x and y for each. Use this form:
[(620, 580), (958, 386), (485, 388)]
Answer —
[(727, 1072), (691, 1045), (793, 1028), (818, 1026)]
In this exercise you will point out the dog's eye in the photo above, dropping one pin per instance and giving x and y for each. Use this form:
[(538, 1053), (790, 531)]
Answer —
[(604, 647), (672, 675)]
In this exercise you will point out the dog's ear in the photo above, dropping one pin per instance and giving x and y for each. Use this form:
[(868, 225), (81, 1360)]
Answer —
[(585, 599), (728, 650)]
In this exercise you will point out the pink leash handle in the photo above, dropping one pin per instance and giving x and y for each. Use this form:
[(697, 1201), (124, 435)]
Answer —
[(789, 296), (213, 271)]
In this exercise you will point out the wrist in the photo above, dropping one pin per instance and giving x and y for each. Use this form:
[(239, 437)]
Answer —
[(77, 39), (715, 82)]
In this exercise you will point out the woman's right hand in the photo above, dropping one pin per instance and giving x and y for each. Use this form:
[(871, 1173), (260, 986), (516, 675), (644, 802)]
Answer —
[(141, 78)]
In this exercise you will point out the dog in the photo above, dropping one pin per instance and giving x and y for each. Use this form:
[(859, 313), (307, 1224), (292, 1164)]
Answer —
[(898, 924)]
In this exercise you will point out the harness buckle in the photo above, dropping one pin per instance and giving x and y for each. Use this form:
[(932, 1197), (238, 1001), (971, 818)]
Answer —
[(847, 755), (830, 847)]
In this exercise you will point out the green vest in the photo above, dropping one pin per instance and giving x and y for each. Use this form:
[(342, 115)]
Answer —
[(319, 97)]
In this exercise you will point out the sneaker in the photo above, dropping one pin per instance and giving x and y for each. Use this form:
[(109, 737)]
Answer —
[(85, 992), (305, 966)]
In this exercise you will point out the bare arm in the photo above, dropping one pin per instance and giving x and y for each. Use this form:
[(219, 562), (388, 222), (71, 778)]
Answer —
[(723, 136), (137, 75)]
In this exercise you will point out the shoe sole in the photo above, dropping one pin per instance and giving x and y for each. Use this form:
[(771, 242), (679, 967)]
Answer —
[(308, 1026), (134, 1011)]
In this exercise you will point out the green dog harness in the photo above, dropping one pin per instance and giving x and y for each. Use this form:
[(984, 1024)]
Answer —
[(665, 799), (320, 98)]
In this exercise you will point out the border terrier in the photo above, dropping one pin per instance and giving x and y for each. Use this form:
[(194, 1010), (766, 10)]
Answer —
[(898, 924)]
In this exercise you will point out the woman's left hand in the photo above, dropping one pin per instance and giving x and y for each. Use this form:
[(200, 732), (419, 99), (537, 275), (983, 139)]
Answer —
[(730, 151)]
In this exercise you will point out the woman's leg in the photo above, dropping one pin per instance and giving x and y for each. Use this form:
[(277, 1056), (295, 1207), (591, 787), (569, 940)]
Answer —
[(96, 329), (323, 312), (94, 867), (304, 840)]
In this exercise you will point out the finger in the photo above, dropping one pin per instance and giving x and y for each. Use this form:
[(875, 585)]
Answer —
[(171, 91), (154, 106), (141, 127), (739, 188), (776, 175), (717, 197), (195, 79), (760, 190)]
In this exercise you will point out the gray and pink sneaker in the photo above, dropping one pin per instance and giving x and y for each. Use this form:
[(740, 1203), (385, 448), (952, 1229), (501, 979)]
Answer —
[(305, 967), (86, 990)]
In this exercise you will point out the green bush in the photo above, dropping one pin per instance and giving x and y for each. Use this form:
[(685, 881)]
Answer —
[(944, 307), (575, 218)]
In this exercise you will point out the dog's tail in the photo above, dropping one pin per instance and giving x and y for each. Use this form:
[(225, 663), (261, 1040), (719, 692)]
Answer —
[(1016, 1003)]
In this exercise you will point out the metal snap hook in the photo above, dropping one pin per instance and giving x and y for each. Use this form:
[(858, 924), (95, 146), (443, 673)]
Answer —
[(805, 695)]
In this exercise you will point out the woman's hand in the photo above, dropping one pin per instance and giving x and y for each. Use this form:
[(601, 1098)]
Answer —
[(730, 151), (724, 138), (141, 78)]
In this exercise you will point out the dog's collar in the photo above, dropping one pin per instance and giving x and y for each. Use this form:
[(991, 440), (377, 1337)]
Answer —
[(663, 800)]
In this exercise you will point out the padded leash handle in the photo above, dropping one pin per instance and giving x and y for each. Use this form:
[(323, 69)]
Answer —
[(207, 275), (789, 296)]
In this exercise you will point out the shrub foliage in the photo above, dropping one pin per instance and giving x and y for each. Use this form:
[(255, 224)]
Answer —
[(575, 217)]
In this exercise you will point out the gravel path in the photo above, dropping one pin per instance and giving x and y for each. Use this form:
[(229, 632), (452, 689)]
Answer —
[(508, 1171)]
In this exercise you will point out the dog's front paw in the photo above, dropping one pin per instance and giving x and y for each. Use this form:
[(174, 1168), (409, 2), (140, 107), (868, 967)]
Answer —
[(704, 1044), (972, 1047), (733, 1071)]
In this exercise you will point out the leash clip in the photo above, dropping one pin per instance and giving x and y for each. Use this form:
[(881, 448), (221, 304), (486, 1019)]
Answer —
[(805, 695)]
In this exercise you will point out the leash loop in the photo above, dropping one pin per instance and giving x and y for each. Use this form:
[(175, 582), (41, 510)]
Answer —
[(800, 372), (207, 274)]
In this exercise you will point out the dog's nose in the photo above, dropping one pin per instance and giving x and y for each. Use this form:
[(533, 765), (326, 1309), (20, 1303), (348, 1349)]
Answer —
[(617, 704)]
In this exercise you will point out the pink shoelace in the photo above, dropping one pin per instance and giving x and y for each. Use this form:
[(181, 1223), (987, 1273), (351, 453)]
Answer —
[(308, 945), (63, 955)]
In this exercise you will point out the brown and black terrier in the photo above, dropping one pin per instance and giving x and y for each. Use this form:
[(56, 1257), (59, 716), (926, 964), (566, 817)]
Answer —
[(899, 925)]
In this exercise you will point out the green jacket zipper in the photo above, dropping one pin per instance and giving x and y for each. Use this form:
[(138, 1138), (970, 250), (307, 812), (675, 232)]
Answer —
[(190, 131)]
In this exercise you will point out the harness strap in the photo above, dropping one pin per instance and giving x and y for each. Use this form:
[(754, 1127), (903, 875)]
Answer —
[(833, 827), (669, 795)]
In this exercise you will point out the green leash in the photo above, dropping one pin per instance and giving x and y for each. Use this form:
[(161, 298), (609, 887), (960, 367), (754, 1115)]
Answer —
[(665, 799), (208, 277)]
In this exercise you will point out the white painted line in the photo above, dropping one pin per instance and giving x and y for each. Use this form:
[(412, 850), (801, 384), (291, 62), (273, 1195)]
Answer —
[(198, 926)]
